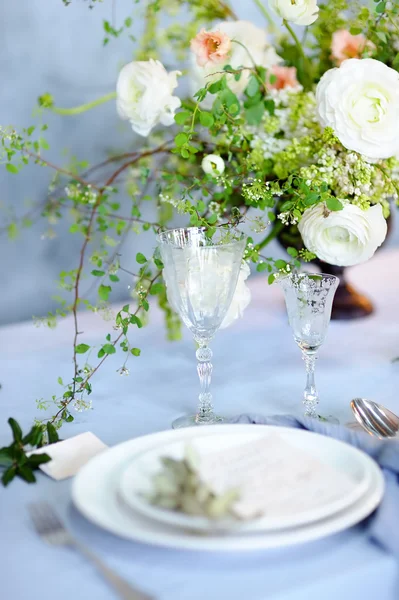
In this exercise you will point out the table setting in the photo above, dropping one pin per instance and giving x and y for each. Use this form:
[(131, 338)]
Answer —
[(264, 189), (134, 543)]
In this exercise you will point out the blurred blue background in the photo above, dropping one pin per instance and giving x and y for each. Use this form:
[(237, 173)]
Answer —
[(47, 46)]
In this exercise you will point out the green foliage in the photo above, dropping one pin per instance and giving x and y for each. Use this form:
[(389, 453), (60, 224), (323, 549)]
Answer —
[(15, 460)]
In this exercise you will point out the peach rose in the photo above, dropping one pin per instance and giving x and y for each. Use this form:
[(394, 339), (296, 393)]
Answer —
[(345, 45), (286, 77), (210, 47)]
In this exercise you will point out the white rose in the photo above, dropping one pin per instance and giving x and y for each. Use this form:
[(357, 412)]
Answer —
[(345, 237), (300, 12), (360, 101), (257, 44), (241, 298), (144, 95), (213, 164)]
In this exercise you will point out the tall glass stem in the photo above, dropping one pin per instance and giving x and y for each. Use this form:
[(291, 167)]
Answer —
[(205, 414), (310, 395)]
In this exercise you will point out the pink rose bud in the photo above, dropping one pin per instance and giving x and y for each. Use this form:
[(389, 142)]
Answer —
[(345, 45), (211, 47), (285, 77)]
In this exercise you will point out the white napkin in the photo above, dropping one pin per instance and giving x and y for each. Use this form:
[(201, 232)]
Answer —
[(70, 455)]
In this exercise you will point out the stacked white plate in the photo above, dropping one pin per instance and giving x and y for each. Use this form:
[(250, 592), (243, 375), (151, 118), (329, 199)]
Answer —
[(108, 491)]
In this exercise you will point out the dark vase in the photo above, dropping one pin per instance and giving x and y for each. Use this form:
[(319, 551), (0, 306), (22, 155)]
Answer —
[(348, 302)]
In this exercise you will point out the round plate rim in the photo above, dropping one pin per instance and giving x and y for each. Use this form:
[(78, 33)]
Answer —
[(259, 525), (171, 539)]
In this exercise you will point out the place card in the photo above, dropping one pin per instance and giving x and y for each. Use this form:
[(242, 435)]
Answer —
[(275, 479), (70, 455)]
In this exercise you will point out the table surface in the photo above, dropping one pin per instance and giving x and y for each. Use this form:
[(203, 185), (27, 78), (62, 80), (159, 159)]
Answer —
[(258, 369)]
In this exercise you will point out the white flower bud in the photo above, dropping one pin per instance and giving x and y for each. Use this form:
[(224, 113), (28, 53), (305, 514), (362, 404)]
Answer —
[(213, 164)]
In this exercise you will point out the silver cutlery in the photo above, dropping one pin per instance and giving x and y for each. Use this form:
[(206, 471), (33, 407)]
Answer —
[(50, 529), (375, 418)]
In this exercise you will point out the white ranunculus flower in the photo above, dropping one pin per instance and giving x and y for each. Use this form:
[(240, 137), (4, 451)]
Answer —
[(144, 95), (345, 237), (360, 101), (300, 12), (212, 164), (241, 298), (255, 41)]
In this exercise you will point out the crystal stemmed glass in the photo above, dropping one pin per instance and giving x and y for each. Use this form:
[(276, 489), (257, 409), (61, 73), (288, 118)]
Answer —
[(309, 298), (201, 274)]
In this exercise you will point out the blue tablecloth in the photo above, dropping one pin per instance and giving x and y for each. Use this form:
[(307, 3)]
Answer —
[(257, 369)]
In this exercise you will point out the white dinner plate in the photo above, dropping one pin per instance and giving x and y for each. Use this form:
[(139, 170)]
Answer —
[(341, 461), (95, 494)]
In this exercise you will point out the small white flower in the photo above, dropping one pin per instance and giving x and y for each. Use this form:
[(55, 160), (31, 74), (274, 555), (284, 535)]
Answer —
[(360, 101), (345, 237), (241, 298), (213, 164), (300, 12), (144, 95)]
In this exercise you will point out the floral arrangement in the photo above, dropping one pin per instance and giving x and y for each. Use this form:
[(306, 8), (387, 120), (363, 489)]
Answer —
[(290, 125)]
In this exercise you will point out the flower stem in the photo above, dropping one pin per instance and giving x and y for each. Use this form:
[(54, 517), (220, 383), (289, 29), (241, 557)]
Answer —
[(264, 11), (76, 110), (305, 61)]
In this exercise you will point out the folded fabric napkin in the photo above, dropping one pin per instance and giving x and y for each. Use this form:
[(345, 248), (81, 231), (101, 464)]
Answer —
[(382, 524)]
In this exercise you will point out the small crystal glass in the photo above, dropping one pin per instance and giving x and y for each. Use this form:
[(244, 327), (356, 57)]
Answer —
[(201, 273), (309, 298)]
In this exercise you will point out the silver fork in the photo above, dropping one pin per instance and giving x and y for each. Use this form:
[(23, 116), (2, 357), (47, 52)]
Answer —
[(51, 529)]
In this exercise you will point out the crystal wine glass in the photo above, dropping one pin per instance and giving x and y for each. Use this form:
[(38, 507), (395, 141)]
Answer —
[(309, 298), (201, 274)]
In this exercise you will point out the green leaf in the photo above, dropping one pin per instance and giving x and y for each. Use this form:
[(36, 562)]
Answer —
[(59, 380), (334, 204), (8, 475), (255, 113), (140, 258), (126, 308), (16, 429), (157, 288), (114, 278), (271, 278), (252, 87), (104, 292), (280, 264), (212, 219), (35, 460), (109, 349), (52, 433), (395, 63), (215, 87), (206, 119), (97, 273), (262, 267), (382, 36), (82, 348), (6, 458), (181, 117), (26, 474), (135, 351), (185, 153), (134, 319), (292, 251), (12, 168), (181, 139), (34, 436)]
